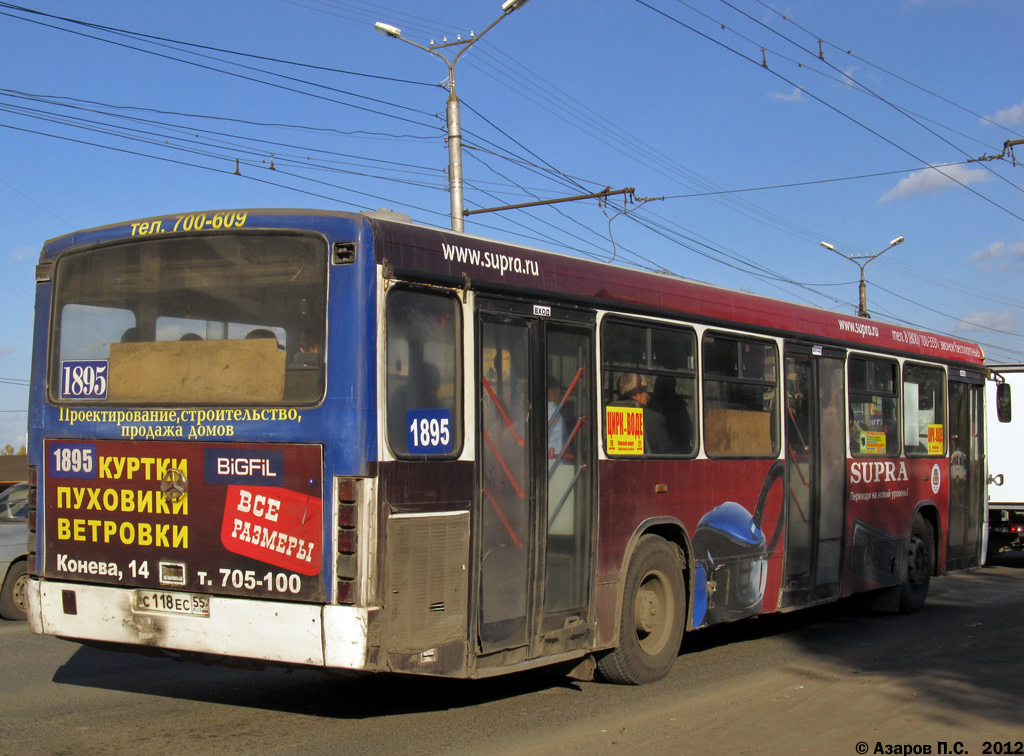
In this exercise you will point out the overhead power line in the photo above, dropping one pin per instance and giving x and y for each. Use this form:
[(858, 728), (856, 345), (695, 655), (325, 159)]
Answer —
[(219, 144), (833, 108)]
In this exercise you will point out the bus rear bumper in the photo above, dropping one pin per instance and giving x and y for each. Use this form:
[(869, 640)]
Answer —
[(274, 632)]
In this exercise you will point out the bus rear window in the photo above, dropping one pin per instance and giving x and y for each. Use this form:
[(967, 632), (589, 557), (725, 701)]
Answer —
[(221, 319)]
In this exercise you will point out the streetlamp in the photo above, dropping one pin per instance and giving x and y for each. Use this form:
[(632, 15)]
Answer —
[(863, 311), (453, 107)]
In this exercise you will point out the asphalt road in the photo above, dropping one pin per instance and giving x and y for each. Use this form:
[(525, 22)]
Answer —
[(837, 679)]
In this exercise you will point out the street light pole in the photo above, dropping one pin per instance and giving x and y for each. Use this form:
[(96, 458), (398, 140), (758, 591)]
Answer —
[(453, 109), (863, 310)]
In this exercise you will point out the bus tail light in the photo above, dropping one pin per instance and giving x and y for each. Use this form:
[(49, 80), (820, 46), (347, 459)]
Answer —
[(32, 481), (347, 560)]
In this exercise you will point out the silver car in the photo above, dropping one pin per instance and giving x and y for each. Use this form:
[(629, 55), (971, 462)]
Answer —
[(13, 551)]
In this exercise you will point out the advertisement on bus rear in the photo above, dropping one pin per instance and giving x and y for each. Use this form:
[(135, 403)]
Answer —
[(230, 519)]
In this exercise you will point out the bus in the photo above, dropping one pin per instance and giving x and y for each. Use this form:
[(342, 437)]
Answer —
[(1005, 480), (351, 442)]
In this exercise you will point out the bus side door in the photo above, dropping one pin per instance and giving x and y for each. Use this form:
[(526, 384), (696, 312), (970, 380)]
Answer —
[(966, 473), (534, 527), (816, 469)]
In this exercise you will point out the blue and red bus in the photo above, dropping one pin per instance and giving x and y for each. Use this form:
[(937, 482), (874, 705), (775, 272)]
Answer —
[(348, 441)]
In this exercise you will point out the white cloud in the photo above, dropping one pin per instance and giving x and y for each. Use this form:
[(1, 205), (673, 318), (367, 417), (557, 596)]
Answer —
[(935, 180), (1004, 320), (1011, 116), (797, 95), (6, 349), (999, 256), (22, 254)]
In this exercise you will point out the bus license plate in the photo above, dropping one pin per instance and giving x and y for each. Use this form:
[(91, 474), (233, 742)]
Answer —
[(171, 603)]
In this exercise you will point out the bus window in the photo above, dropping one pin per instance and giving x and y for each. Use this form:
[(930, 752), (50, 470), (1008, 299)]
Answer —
[(90, 330), (179, 320), (650, 390), (740, 397), (873, 408), (190, 329), (924, 411), (423, 369)]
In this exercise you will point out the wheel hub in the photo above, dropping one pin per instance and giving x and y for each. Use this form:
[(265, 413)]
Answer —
[(648, 611)]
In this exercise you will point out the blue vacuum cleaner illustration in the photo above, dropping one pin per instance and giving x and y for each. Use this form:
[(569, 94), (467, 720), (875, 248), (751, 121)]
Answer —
[(732, 558)]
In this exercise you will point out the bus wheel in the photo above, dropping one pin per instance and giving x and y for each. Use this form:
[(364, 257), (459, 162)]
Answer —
[(920, 564), (13, 599), (651, 624)]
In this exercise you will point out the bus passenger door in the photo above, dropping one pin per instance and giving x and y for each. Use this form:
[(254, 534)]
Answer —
[(966, 483), (534, 530), (815, 469)]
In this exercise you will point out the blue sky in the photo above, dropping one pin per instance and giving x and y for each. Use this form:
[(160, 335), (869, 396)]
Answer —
[(746, 139)]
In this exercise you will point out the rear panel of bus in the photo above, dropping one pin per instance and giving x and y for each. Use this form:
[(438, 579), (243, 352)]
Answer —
[(191, 454)]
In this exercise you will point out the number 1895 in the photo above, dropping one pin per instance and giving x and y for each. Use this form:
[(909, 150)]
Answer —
[(84, 379), (429, 431), (72, 460)]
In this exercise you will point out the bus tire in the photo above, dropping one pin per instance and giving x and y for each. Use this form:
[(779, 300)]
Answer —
[(14, 594), (652, 619), (920, 565)]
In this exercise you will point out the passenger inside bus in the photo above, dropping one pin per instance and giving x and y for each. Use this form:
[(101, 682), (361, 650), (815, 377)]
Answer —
[(675, 408), (556, 423), (633, 393), (308, 354), (419, 392), (264, 333)]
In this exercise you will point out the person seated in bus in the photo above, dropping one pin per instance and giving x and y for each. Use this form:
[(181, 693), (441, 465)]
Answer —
[(428, 386), (264, 333), (131, 336), (676, 411), (190, 337), (419, 393), (633, 393), (308, 354)]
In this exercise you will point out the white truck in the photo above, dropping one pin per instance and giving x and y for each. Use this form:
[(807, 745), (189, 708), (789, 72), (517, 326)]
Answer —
[(1005, 467)]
